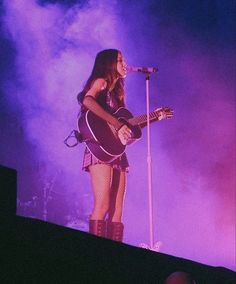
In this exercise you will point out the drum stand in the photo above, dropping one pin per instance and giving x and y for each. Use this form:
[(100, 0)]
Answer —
[(151, 246)]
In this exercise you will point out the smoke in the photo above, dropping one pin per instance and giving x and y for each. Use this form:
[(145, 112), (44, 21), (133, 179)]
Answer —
[(55, 52), (193, 155), (55, 49)]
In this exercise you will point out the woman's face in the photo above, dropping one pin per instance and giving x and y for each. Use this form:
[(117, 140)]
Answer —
[(121, 65)]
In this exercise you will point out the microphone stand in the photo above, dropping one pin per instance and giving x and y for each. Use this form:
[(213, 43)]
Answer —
[(152, 246)]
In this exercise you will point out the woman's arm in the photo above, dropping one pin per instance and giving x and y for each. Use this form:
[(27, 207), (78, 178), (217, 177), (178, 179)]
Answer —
[(90, 103)]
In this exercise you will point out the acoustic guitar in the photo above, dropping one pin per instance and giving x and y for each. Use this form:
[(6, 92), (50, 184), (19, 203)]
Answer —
[(102, 139)]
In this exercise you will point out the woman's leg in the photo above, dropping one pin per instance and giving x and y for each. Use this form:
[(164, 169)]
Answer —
[(117, 194), (114, 226), (101, 176)]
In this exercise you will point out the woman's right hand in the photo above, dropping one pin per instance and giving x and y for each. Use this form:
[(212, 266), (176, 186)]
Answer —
[(124, 134)]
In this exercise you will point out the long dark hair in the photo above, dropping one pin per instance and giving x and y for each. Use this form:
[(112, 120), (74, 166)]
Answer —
[(105, 66)]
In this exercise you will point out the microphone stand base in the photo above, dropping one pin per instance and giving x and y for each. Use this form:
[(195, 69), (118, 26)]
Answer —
[(155, 248)]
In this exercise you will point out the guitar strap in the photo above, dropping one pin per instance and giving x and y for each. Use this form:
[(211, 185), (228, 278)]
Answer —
[(73, 139)]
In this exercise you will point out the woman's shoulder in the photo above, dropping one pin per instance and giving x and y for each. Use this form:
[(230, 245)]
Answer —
[(99, 84)]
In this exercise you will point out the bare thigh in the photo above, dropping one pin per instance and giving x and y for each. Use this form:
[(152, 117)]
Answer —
[(101, 176), (117, 196)]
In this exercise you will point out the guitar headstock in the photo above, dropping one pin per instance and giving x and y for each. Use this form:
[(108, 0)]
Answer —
[(164, 112)]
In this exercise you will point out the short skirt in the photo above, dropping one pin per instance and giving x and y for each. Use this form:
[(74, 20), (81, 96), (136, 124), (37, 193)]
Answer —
[(120, 163)]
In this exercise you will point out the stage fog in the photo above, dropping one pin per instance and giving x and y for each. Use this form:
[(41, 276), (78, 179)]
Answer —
[(48, 49)]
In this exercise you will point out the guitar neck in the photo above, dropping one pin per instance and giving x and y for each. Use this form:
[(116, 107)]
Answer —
[(142, 119)]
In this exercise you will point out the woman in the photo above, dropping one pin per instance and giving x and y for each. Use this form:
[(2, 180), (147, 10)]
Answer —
[(103, 94)]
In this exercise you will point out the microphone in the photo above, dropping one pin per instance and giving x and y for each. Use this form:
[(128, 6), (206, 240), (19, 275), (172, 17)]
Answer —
[(141, 69)]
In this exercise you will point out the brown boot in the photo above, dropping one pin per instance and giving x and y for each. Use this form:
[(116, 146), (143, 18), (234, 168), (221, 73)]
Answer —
[(115, 231), (97, 227)]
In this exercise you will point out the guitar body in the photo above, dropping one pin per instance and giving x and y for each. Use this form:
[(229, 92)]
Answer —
[(101, 137)]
